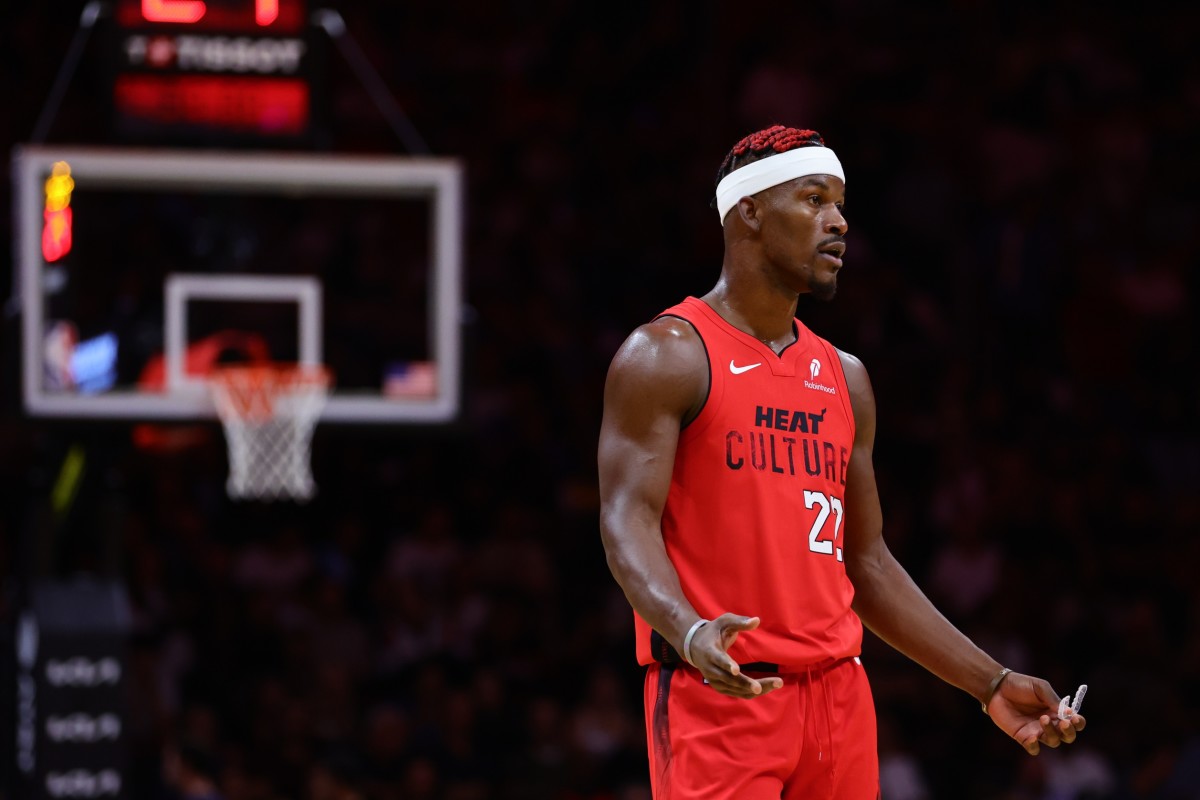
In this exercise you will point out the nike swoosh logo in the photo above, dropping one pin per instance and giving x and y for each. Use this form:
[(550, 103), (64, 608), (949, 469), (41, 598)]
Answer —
[(736, 370)]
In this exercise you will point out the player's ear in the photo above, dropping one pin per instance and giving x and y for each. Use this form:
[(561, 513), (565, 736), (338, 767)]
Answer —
[(750, 212)]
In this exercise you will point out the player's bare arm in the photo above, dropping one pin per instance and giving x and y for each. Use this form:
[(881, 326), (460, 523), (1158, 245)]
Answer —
[(892, 606), (656, 383)]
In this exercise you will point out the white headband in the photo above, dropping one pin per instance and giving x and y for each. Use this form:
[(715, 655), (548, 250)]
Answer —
[(774, 170)]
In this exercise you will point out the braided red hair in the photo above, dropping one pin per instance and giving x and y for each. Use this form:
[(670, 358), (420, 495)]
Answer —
[(760, 144)]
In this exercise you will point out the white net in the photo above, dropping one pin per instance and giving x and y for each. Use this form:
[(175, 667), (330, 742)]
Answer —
[(269, 414)]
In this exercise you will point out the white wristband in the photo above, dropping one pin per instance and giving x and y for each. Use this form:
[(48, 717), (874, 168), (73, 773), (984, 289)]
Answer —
[(687, 640)]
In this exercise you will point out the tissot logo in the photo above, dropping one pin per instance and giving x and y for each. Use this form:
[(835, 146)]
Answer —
[(241, 54)]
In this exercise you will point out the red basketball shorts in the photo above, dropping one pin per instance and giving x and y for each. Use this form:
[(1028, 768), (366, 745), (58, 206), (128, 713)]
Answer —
[(813, 739)]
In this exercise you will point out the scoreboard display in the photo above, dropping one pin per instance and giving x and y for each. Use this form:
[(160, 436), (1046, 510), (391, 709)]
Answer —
[(205, 70)]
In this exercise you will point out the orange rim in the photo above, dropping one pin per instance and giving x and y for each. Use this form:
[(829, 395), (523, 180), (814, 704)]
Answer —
[(249, 391)]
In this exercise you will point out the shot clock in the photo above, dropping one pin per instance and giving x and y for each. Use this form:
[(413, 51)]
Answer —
[(214, 71)]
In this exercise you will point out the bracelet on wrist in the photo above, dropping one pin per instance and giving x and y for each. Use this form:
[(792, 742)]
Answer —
[(687, 640), (992, 687)]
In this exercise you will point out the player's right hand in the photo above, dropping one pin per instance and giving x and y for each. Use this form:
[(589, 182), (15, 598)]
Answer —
[(710, 654)]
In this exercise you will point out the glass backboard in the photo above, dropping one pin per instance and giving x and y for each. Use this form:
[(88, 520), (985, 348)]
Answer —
[(166, 262)]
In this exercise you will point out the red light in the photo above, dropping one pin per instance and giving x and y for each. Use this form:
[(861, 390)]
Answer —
[(269, 106), (56, 232), (173, 10), (266, 11), (188, 11)]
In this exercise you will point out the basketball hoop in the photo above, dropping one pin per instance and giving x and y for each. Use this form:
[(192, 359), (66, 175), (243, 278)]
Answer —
[(269, 412)]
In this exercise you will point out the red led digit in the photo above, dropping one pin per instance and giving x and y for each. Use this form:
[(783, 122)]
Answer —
[(266, 11), (173, 10), (56, 233)]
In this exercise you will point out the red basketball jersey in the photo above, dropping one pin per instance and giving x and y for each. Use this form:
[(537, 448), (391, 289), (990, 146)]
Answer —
[(754, 517)]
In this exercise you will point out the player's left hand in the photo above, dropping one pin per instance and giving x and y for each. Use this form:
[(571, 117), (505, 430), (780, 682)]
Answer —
[(1026, 708)]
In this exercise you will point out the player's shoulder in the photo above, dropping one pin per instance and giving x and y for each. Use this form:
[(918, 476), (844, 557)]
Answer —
[(665, 342), (665, 353), (858, 382), (850, 363)]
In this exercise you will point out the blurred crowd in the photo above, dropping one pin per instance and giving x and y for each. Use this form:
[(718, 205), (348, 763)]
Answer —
[(440, 622)]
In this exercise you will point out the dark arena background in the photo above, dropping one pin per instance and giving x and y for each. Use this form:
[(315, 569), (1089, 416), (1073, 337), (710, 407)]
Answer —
[(438, 621)]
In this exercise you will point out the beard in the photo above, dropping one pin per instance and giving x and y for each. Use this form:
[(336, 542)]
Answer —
[(823, 288)]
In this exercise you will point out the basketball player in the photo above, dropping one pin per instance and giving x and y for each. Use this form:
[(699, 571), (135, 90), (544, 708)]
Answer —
[(741, 518)]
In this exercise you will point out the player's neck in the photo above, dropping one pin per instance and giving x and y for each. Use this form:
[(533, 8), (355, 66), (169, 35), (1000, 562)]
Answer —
[(764, 314)]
